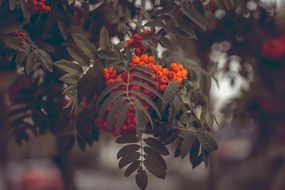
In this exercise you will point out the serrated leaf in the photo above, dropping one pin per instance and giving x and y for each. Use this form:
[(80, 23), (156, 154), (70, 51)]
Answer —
[(85, 45), (107, 90), (144, 77), (81, 143), (140, 106), (152, 154), (143, 69), (187, 143), (205, 157), (20, 58), (154, 168), (77, 54), (141, 179), (131, 138), (147, 99), (105, 41), (185, 27), (156, 144), (165, 42), (126, 149), (147, 87), (109, 100), (194, 158), (68, 66), (30, 63), (111, 117), (207, 140), (169, 93), (70, 78), (69, 90), (122, 115), (45, 59), (194, 15), (132, 168), (108, 55), (128, 158)]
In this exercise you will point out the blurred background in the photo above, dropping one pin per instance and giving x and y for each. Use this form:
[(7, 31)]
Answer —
[(246, 44)]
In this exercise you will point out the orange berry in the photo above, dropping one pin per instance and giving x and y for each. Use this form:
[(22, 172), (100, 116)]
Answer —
[(165, 71), (179, 74), (180, 66), (144, 58), (176, 68), (159, 74), (151, 59), (162, 87), (141, 63), (184, 72), (164, 80), (136, 59), (171, 74), (178, 80)]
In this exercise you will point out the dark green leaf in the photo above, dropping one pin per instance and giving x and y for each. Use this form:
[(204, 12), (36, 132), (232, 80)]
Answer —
[(105, 41), (68, 78), (131, 138), (195, 16), (152, 154), (141, 179), (140, 106), (77, 54), (107, 90), (126, 149), (153, 167), (147, 87), (111, 117), (108, 55), (109, 100), (144, 77), (165, 42), (132, 168), (194, 154), (156, 144), (143, 69), (207, 140), (128, 158), (20, 58), (185, 27), (122, 115), (147, 99), (169, 93), (187, 143), (85, 45), (68, 66), (81, 143)]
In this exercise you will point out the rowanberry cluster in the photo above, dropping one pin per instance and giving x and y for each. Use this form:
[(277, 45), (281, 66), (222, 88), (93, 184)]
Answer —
[(160, 74), (39, 6), (22, 37), (136, 43)]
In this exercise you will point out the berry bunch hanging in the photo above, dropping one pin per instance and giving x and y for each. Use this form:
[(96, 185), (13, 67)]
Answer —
[(162, 76)]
